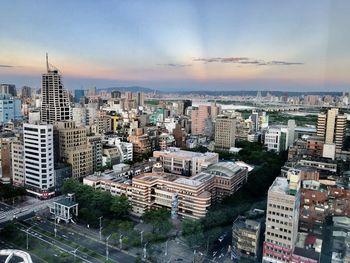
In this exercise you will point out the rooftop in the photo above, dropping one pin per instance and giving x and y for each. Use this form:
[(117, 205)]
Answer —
[(225, 169), (280, 185), (184, 154), (66, 202), (189, 182)]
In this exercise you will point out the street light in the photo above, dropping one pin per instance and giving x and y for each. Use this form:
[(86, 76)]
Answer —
[(75, 253), (28, 236), (141, 233), (107, 252), (121, 242), (100, 218), (145, 251)]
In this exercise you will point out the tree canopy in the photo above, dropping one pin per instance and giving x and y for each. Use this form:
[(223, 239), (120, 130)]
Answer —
[(95, 203)]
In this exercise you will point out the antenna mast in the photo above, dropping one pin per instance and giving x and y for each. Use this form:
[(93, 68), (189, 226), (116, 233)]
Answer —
[(47, 62)]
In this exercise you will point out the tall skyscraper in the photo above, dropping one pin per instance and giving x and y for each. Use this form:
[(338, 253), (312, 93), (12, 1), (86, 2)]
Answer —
[(283, 202), (225, 132), (38, 159), (332, 126), (55, 105)]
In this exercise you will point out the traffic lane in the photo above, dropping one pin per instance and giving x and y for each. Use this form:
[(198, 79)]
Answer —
[(72, 235), (67, 248)]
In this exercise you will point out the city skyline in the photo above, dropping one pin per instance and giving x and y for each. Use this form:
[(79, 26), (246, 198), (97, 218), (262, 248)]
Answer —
[(180, 45)]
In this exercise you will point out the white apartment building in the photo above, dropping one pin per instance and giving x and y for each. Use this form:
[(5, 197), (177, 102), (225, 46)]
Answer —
[(125, 148), (38, 159), (282, 219), (280, 138)]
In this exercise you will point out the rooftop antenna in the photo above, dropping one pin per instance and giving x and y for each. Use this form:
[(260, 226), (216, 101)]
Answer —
[(47, 62)]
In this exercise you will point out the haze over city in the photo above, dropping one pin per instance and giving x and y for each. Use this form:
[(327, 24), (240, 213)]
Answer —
[(179, 45)]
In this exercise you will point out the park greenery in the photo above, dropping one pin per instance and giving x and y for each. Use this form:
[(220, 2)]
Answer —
[(9, 193), (96, 203)]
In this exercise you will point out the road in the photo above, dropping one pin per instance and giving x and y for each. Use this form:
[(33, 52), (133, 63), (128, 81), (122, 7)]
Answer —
[(8, 213), (79, 236), (60, 245)]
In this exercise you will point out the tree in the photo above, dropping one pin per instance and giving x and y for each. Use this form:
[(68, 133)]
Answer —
[(192, 230), (159, 219), (120, 205)]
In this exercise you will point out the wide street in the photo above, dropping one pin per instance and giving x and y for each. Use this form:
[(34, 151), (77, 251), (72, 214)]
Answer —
[(81, 239), (8, 213)]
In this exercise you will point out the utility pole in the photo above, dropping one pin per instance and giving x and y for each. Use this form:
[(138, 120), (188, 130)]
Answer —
[(28, 236), (141, 233), (100, 218), (166, 248), (107, 252)]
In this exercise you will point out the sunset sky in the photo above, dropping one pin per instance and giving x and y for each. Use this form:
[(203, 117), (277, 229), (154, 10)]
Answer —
[(179, 45)]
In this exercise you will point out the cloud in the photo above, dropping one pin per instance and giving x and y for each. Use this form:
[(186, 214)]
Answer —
[(246, 61), (6, 66), (175, 65)]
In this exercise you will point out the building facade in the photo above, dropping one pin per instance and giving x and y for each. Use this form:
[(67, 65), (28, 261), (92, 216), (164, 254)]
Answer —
[(39, 159), (183, 162), (282, 218), (55, 105), (225, 132)]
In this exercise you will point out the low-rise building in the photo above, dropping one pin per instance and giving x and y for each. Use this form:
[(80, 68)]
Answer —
[(183, 162), (245, 238)]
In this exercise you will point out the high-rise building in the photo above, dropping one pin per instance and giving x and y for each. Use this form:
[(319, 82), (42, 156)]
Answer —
[(214, 110), (55, 105), (198, 117), (10, 109), (116, 94), (26, 92), (73, 148), (78, 94), (332, 126), (283, 202), (225, 132), (17, 156), (140, 99), (8, 89), (38, 159), (96, 143)]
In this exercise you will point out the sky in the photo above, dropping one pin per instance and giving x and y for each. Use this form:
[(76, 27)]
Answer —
[(179, 45)]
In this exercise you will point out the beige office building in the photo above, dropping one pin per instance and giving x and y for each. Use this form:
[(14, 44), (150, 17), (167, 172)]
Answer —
[(17, 156), (185, 197), (332, 127), (225, 132), (74, 148)]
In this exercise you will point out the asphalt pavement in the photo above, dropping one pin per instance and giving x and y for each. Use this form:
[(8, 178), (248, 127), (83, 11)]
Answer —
[(83, 240)]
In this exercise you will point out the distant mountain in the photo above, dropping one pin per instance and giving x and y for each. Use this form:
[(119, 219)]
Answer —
[(130, 89)]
